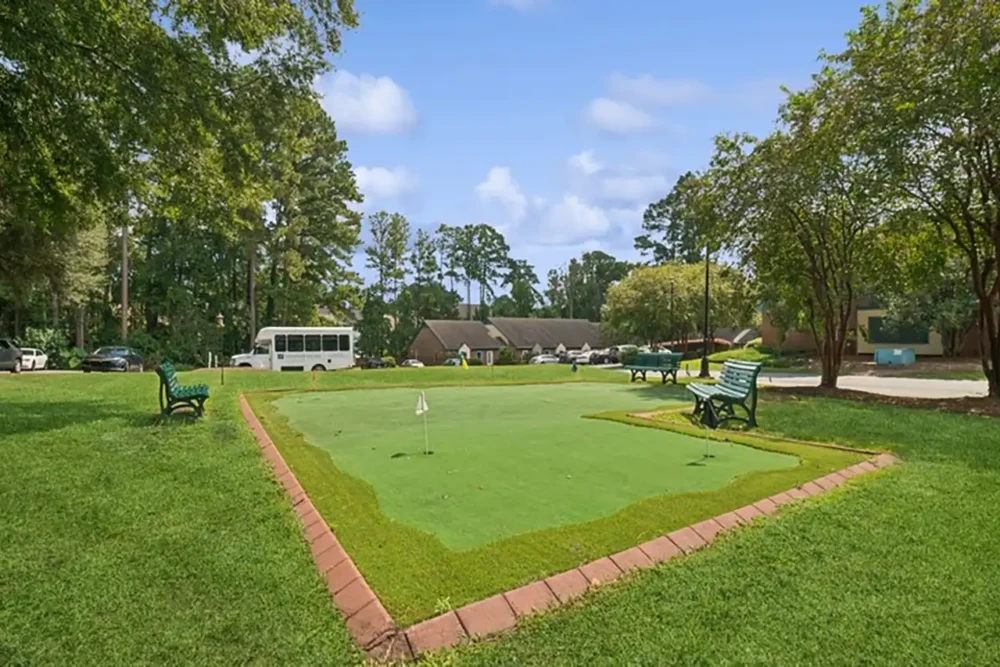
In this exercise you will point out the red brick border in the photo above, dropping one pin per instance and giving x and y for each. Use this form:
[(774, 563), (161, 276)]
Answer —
[(375, 631)]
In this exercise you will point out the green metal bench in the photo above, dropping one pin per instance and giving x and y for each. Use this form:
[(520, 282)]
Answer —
[(737, 386), (173, 395), (664, 363)]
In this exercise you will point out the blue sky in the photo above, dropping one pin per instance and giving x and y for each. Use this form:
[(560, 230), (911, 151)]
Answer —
[(558, 121)]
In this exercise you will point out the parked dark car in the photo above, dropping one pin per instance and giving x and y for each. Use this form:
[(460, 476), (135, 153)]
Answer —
[(10, 356), (109, 359), (376, 362)]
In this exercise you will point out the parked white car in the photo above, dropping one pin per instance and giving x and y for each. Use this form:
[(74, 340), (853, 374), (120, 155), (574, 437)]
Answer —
[(581, 357), (412, 363), (33, 359), (544, 359)]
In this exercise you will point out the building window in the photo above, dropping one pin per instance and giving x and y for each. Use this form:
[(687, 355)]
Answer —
[(882, 331), (479, 354), (279, 343), (295, 343)]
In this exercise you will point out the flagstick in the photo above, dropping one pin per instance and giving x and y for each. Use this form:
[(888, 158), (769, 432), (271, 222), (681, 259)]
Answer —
[(427, 444)]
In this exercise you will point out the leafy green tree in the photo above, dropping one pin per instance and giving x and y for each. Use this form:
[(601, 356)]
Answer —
[(670, 228), (387, 251), (374, 327), (655, 304), (523, 298), (424, 259), (920, 79), (811, 210)]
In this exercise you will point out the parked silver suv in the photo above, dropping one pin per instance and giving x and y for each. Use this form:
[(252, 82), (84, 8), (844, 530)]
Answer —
[(10, 356)]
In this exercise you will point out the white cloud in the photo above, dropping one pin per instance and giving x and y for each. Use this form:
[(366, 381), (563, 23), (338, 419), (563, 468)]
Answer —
[(617, 117), (573, 220), (366, 104), (586, 163), (649, 91), (519, 5), (634, 188), (379, 183), (500, 186)]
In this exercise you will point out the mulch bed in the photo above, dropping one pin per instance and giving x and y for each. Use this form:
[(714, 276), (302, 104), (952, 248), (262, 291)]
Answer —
[(974, 405)]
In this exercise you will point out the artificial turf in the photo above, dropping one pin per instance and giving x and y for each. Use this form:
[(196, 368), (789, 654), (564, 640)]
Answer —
[(416, 575), (511, 460)]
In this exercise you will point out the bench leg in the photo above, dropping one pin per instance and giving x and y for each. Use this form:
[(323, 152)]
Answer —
[(634, 373), (643, 376), (673, 375)]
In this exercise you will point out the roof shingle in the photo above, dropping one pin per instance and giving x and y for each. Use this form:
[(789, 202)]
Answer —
[(452, 333), (525, 332)]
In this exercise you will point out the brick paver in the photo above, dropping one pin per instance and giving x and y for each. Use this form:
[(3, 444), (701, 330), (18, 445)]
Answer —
[(827, 483), (729, 520), (708, 529), (370, 624), (687, 539), (780, 498), (766, 506), (353, 597), (797, 494), (812, 488), (884, 460), (748, 513), (487, 616), (394, 648), (340, 575), (864, 466), (631, 559), (660, 549), (531, 598), (567, 585), (438, 632), (600, 571)]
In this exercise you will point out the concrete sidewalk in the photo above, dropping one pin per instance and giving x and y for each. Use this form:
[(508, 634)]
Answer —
[(888, 386)]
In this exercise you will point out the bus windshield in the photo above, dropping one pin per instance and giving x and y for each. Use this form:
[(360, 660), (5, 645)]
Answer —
[(262, 347)]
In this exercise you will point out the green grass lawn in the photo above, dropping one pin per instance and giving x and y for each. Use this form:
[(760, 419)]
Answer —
[(899, 568), (511, 460)]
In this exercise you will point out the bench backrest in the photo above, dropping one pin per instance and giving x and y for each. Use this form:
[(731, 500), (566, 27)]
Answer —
[(740, 376), (669, 360), (168, 377)]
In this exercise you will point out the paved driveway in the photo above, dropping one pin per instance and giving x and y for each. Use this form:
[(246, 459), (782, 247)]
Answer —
[(889, 386)]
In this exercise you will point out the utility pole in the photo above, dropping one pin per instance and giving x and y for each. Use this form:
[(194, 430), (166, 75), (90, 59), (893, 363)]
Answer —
[(704, 355), (125, 283)]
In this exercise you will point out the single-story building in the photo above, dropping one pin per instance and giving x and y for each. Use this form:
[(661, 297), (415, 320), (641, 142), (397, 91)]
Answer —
[(872, 331), (535, 335), (440, 339)]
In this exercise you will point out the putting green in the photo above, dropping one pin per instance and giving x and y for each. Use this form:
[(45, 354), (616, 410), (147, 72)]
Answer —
[(511, 460)]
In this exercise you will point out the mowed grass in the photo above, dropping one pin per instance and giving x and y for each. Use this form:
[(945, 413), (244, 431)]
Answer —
[(124, 540), (898, 568), (511, 460), (417, 575)]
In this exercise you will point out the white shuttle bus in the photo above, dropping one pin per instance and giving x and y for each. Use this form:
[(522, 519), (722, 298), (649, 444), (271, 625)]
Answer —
[(300, 349)]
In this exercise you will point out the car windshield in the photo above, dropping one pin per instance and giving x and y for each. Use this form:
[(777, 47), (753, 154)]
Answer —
[(113, 351)]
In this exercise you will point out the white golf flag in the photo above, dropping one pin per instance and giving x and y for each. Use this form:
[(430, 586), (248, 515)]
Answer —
[(422, 406)]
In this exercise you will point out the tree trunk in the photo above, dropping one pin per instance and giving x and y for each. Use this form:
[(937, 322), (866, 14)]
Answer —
[(989, 346), (124, 282), (17, 321), (252, 294), (273, 278), (81, 312), (55, 309)]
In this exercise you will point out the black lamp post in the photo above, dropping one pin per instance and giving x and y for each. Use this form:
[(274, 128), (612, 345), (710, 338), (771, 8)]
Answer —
[(704, 356), (220, 325)]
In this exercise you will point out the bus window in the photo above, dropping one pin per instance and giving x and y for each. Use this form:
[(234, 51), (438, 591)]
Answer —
[(312, 343), (279, 343), (329, 343), (295, 343), (345, 343)]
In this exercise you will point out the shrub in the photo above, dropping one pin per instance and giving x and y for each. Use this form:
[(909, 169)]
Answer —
[(474, 361), (74, 357), (50, 341), (389, 360), (627, 357), (507, 356), (756, 342)]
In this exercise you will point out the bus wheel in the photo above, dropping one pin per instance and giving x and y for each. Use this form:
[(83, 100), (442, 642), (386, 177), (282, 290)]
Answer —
[(319, 367)]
